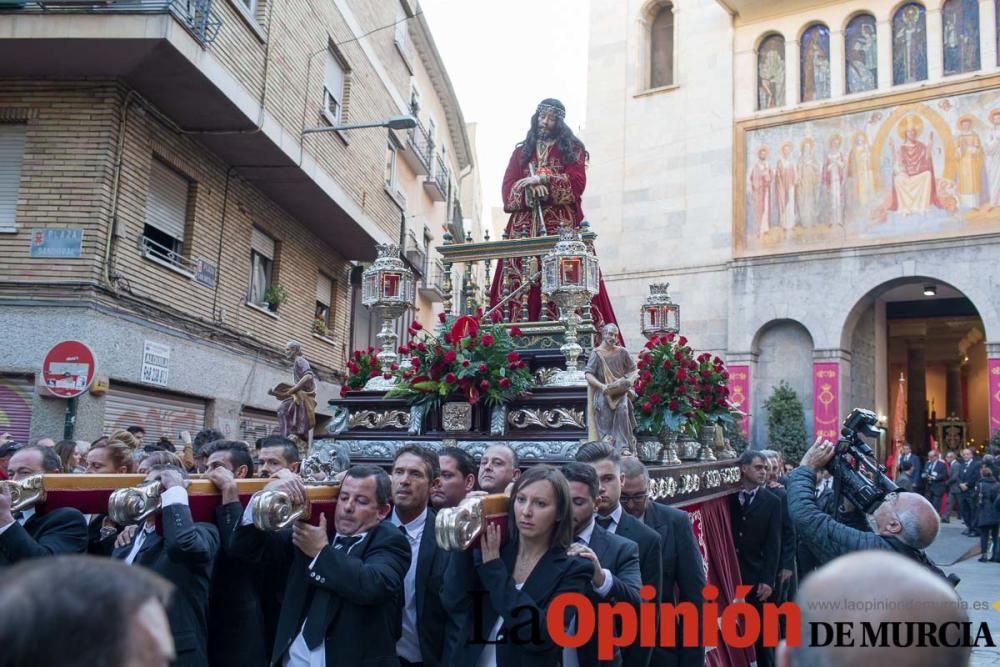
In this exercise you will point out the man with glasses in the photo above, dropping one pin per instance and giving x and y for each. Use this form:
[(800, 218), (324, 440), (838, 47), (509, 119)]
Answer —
[(683, 568)]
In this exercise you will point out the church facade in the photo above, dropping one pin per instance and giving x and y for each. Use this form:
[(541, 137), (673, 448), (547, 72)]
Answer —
[(820, 185)]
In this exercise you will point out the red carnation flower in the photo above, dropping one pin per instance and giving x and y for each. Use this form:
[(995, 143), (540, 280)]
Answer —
[(504, 383), (485, 385), (682, 374), (446, 338), (706, 374), (682, 340), (343, 390), (521, 364), (357, 354), (387, 376), (650, 345), (465, 363), (442, 317), (513, 356), (483, 368), (655, 399), (646, 376), (417, 326), (678, 355), (449, 356), (717, 361), (671, 336), (496, 316), (352, 367), (415, 362), (516, 332), (451, 378), (682, 389), (374, 373), (725, 375), (403, 349), (647, 407), (667, 365), (394, 367), (487, 340), (421, 347), (674, 406)]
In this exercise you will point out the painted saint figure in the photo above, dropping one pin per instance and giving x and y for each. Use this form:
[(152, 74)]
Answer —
[(834, 177), (808, 185), (993, 158), (759, 189), (860, 173), (297, 411), (771, 73), (969, 152), (909, 50), (785, 181), (913, 186), (545, 178)]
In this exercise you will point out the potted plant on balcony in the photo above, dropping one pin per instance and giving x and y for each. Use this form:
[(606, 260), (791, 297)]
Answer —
[(274, 296), (466, 361), (319, 327)]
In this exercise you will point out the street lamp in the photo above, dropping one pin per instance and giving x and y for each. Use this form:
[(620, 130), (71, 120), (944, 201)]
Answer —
[(387, 289), (393, 123)]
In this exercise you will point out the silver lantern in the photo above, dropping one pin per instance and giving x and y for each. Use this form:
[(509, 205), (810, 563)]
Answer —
[(388, 290), (570, 279), (660, 315)]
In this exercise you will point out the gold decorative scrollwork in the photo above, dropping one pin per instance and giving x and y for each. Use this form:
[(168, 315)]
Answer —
[(372, 419), (554, 418)]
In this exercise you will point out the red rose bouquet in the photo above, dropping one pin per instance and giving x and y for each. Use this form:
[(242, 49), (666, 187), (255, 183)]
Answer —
[(476, 359), (361, 367), (676, 390)]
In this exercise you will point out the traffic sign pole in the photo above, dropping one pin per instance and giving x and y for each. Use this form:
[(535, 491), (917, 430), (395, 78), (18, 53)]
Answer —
[(70, 424)]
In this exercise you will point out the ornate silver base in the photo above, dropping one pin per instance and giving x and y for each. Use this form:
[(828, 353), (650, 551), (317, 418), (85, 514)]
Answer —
[(564, 378), (379, 383), (668, 455), (688, 449), (728, 453), (706, 454)]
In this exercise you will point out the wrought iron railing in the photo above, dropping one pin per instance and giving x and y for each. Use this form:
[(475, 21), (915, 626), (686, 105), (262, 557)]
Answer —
[(420, 144), (164, 255), (195, 15), (440, 174)]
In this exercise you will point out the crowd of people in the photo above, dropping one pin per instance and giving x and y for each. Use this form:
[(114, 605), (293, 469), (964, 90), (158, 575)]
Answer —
[(968, 487), (375, 587)]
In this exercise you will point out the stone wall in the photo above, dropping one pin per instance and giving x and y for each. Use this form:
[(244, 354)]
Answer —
[(785, 352), (863, 374)]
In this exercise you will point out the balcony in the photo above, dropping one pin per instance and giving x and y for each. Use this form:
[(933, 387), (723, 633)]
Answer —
[(161, 254), (417, 149), (436, 184), (414, 252), (196, 16), (157, 48), (431, 286)]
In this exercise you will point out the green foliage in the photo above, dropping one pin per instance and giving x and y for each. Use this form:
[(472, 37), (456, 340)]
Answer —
[(786, 423), (275, 295), (731, 430)]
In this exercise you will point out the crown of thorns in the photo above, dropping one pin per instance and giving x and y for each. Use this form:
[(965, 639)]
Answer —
[(558, 112)]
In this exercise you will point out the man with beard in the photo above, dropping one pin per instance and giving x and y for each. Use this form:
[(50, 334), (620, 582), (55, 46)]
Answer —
[(542, 189)]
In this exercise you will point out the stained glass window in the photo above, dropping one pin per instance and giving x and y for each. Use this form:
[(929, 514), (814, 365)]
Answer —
[(861, 57), (960, 34), (909, 44)]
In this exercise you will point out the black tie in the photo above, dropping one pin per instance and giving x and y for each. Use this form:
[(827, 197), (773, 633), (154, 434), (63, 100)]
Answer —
[(403, 530), (18, 515), (604, 522), (315, 627), (745, 497)]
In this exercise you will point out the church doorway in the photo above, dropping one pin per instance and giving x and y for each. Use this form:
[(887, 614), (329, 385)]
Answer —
[(918, 353)]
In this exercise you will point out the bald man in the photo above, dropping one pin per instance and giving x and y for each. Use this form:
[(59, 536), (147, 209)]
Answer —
[(905, 522), (855, 590)]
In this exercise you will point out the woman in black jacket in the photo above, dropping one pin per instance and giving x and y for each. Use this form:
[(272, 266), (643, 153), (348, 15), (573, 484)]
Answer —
[(988, 518), (501, 594)]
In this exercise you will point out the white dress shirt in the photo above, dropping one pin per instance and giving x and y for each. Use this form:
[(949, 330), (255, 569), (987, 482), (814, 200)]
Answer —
[(616, 518), (488, 658), (25, 515), (570, 658), (408, 646)]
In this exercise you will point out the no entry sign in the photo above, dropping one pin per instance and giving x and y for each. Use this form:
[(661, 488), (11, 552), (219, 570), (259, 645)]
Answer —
[(69, 368)]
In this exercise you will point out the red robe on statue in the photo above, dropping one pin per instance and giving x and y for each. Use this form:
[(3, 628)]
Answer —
[(561, 206)]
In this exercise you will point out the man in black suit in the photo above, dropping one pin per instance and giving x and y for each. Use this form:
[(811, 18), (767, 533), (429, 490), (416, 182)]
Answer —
[(238, 633), (183, 555), (786, 581), (616, 560), (935, 479), (613, 518), (683, 567), (458, 477), (415, 470), (756, 521), (28, 534), (968, 478), (908, 455), (343, 598)]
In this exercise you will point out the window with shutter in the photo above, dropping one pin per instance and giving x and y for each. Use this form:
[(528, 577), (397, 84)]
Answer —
[(166, 216), (324, 301), (11, 155), (262, 249), (333, 91)]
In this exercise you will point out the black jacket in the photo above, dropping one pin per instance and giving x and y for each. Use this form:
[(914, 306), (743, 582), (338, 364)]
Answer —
[(969, 475), (480, 593), (787, 530), (621, 557), (184, 556), (364, 590), (237, 633), (683, 572), (433, 623), (757, 536), (651, 567), (936, 477), (61, 531)]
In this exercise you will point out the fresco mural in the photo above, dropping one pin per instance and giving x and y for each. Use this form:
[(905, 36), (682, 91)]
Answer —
[(922, 170), (815, 63), (771, 73), (960, 19), (909, 44)]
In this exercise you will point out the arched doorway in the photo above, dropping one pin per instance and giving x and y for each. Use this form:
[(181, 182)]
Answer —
[(784, 352), (918, 357)]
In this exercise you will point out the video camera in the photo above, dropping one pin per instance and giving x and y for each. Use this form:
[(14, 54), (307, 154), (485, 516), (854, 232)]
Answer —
[(859, 476)]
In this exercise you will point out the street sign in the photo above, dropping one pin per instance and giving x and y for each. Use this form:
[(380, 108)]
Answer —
[(69, 368), (57, 243)]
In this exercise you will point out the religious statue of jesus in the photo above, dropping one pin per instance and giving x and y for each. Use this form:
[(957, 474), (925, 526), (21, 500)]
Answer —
[(542, 189)]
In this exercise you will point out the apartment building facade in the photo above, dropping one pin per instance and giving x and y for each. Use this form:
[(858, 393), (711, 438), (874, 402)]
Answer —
[(160, 202)]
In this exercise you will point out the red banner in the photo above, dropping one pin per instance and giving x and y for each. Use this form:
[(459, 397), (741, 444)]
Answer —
[(826, 406), (739, 394), (993, 367)]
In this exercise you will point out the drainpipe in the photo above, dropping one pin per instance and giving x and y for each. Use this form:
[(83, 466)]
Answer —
[(115, 189)]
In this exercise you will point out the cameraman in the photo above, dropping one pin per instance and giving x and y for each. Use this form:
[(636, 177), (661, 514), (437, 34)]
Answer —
[(905, 522)]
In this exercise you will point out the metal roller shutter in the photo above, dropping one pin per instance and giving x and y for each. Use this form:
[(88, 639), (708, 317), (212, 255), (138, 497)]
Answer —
[(166, 205), (16, 395), (11, 153), (257, 424), (160, 413)]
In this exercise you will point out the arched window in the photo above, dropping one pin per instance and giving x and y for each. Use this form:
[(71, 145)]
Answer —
[(771, 73), (661, 48), (814, 61), (909, 44), (960, 36), (861, 56)]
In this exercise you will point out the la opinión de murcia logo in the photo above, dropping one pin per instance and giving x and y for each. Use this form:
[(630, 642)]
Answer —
[(619, 624)]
